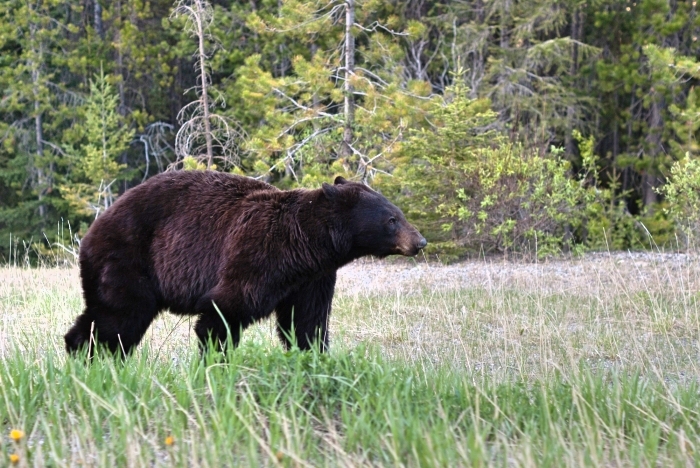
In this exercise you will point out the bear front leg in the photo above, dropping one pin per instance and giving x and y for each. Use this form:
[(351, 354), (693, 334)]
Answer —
[(304, 314), (214, 326)]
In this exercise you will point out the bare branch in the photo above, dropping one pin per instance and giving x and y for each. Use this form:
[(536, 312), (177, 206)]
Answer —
[(294, 149), (377, 25), (313, 19), (156, 144), (302, 106), (55, 147), (204, 131)]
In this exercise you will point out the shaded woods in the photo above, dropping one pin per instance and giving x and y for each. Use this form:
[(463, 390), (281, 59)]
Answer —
[(497, 125)]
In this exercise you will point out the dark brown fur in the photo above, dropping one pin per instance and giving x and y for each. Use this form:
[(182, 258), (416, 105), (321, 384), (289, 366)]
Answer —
[(185, 241)]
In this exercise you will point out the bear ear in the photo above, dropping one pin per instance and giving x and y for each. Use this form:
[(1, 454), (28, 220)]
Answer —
[(340, 181), (331, 192)]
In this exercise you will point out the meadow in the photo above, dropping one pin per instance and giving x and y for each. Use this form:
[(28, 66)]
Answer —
[(586, 362)]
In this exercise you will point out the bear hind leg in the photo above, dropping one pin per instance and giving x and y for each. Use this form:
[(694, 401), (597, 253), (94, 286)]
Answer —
[(120, 330), (120, 304)]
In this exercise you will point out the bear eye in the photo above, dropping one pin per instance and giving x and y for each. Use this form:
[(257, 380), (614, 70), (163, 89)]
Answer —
[(392, 221)]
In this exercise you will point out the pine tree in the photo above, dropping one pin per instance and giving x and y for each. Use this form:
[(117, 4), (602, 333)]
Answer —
[(471, 190), (35, 108), (674, 70), (340, 108), (94, 164), (636, 97), (524, 56)]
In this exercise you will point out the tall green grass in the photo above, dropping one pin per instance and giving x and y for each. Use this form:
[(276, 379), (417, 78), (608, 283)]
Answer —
[(267, 407)]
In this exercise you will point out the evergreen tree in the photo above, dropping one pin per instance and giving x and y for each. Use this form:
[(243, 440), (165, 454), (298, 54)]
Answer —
[(636, 97), (35, 109), (471, 190), (94, 170), (339, 108), (524, 56), (674, 70)]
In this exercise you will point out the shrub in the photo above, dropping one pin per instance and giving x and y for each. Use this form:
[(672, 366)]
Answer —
[(469, 189), (682, 192)]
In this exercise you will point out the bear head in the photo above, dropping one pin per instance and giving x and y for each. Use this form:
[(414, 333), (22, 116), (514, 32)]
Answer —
[(370, 224)]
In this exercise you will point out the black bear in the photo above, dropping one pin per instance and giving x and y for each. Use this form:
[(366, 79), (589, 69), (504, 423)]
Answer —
[(187, 241)]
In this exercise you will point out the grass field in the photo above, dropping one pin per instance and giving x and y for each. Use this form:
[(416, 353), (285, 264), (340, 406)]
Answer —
[(588, 362)]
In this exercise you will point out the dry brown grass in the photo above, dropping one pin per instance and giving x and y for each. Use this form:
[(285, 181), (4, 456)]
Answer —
[(631, 312), (637, 312)]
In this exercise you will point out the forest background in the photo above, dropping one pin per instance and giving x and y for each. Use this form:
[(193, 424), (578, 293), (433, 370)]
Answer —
[(523, 126)]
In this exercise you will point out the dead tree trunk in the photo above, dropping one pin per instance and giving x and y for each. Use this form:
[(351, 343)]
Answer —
[(204, 79), (349, 102)]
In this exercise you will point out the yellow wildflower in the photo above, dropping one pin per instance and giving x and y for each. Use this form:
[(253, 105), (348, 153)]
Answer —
[(14, 458), (16, 435), (169, 441)]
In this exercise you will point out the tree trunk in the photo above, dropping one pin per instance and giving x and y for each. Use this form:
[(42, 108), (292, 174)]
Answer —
[(346, 150), (650, 179), (204, 79), (479, 8), (576, 29), (41, 178), (314, 99), (256, 46), (121, 109), (505, 13), (99, 28), (478, 63), (120, 57), (39, 131), (282, 64)]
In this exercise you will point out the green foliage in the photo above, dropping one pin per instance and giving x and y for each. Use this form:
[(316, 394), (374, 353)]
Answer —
[(302, 106), (608, 224), (102, 138), (682, 194), (35, 109), (685, 125), (192, 164), (639, 92), (266, 400), (604, 68), (470, 190)]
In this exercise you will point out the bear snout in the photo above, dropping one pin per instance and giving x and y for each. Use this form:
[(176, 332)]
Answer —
[(411, 244)]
